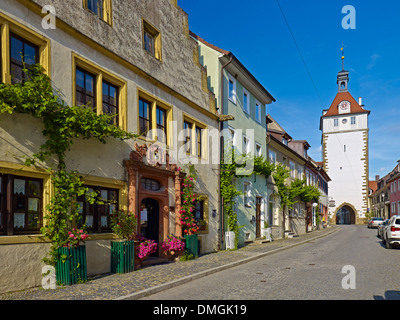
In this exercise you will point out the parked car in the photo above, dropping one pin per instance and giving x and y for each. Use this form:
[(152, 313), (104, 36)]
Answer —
[(381, 227), (391, 232), (375, 222)]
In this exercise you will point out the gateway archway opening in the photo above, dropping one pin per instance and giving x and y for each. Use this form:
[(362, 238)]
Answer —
[(345, 215)]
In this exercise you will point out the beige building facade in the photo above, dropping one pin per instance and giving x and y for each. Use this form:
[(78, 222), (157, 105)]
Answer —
[(140, 54)]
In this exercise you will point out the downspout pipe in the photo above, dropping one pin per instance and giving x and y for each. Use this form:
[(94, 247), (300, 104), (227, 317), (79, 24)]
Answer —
[(221, 127)]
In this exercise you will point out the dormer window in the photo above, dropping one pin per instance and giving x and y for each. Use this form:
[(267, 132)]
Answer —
[(284, 141)]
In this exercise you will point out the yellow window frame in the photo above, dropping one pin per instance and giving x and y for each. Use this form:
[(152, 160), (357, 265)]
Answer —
[(7, 26), (107, 10), (204, 136), (155, 102), (101, 74), (156, 34)]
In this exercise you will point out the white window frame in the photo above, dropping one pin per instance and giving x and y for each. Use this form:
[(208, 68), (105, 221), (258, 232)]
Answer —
[(300, 172), (258, 112), (232, 135), (336, 122), (247, 193), (246, 146), (398, 207), (292, 167), (258, 153), (272, 156), (353, 120), (232, 98), (246, 107)]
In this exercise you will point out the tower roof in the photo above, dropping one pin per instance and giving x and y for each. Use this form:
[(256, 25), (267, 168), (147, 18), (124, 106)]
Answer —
[(344, 96)]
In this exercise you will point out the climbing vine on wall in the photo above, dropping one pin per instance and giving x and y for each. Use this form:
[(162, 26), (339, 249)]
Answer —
[(236, 167), (63, 124)]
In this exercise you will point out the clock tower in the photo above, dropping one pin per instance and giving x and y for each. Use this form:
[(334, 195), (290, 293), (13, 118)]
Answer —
[(345, 130)]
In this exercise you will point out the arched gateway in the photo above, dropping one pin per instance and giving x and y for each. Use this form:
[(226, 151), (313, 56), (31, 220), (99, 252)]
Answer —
[(345, 214)]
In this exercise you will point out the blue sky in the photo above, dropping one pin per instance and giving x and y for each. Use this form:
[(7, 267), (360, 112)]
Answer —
[(256, 32)]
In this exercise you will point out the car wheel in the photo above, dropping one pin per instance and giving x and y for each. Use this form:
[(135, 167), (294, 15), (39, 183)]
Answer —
[(383, 239), (377, 234), (388, 245)]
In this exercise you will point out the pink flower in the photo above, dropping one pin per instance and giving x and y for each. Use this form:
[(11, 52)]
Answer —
[(71, 235)]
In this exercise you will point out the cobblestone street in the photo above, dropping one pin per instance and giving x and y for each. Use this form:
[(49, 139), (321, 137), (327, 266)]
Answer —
[(156, 278)]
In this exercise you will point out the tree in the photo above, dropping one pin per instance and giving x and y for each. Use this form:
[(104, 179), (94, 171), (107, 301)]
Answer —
[(290, 194)]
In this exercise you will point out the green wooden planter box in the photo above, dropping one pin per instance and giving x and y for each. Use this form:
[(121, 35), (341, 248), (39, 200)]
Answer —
[(122, 256), (71, 266), (192, 244)]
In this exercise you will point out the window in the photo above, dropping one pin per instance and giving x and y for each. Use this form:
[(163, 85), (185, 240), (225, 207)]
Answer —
[(187, 127), (150, 184), (393, 208), (231, 136), (195, 134), (151, 40), (398, 185), (300, 172), (246, 145), (161, 115), (353, 120), (272, 156), (292, 169), (258, 112), (201, 213), (344, 148), (154, 118), (101, 8), (270, 213), (96, 88), (335, 122), (110, 101), (22, 206), (398, 207), (284, 141), (232, 88), (148, 42), (246, 101), (199, 141), (96, 216), (19, 45), (85, 88), (247, 194), (144, 116), (21, 52), (258, 150)]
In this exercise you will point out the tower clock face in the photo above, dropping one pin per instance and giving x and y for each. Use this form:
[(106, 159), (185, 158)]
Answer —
[(344, 107)]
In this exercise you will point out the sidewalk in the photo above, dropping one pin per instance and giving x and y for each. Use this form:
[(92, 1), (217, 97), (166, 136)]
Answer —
[(156, 278)]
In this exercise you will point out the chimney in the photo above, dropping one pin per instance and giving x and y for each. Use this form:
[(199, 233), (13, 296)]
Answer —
[(377, 177), (360, 102)]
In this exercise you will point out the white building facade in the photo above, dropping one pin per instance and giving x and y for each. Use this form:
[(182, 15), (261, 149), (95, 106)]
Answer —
[(345, 155)]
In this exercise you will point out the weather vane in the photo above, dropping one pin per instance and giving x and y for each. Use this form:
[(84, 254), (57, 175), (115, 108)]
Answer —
[(341, 49)]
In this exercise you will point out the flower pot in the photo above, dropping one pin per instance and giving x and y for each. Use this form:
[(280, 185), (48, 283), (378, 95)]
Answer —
[(192, 244), (122, 256), (71, 265)]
